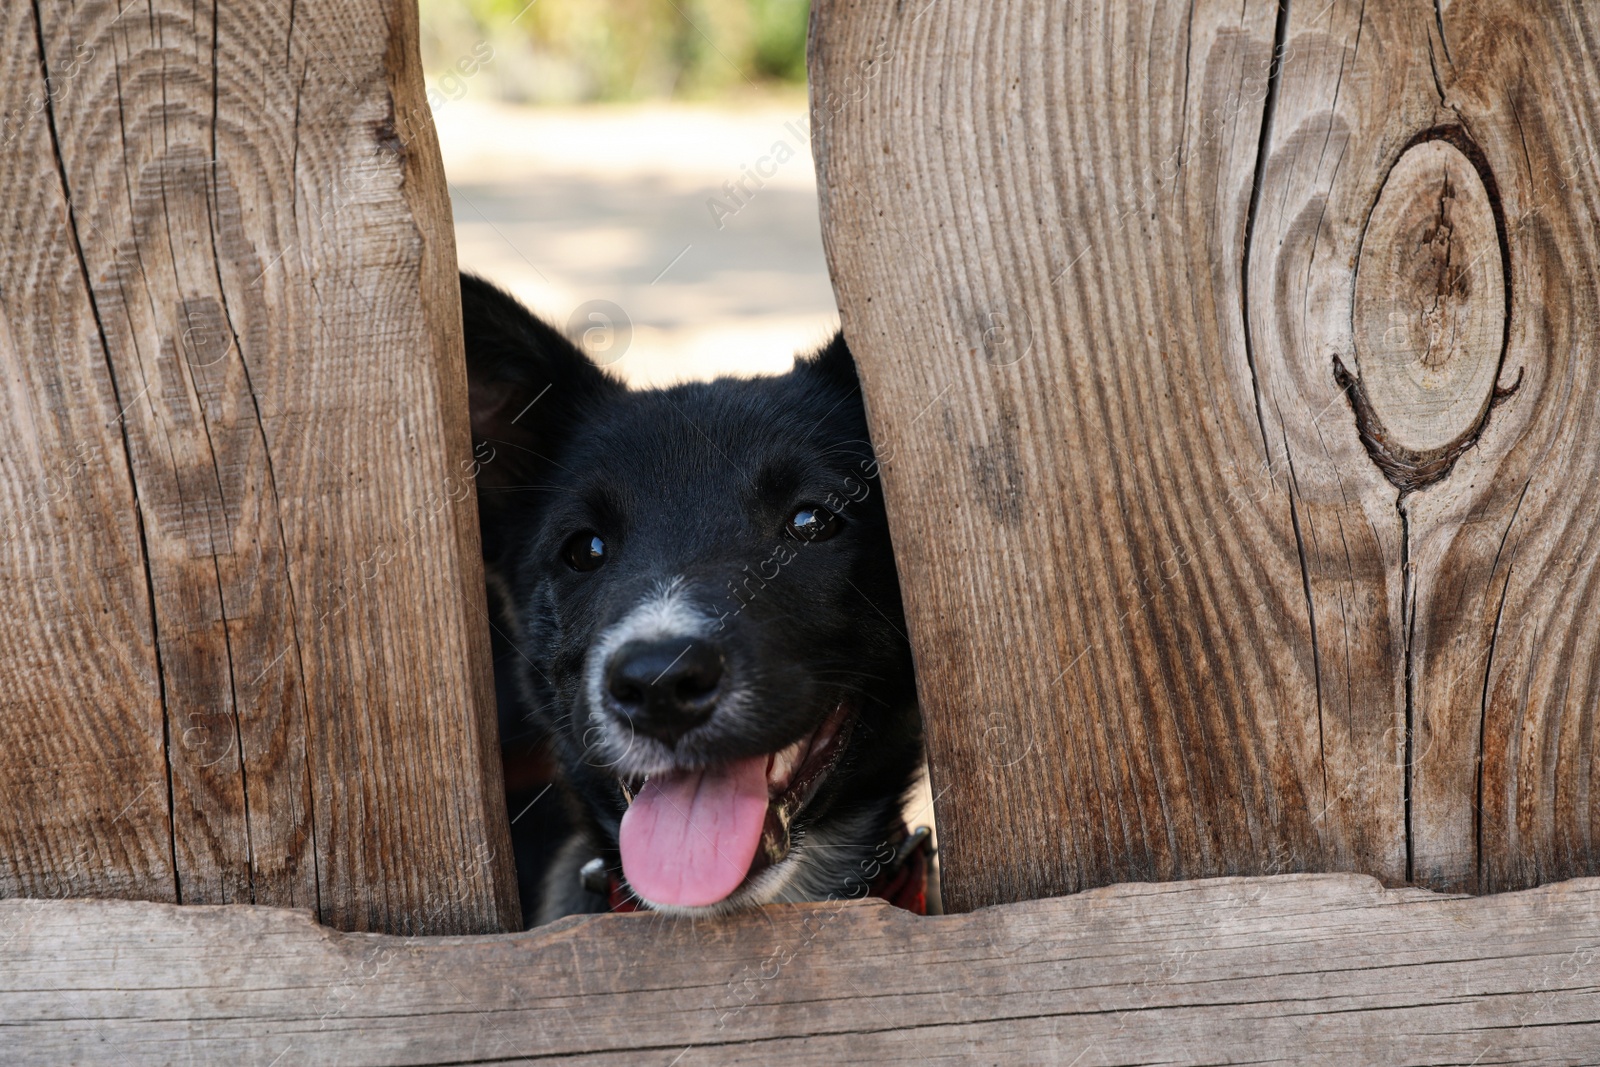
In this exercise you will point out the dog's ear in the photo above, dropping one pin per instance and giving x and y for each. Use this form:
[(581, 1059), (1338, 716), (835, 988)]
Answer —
[(834, 363), (526, 385)]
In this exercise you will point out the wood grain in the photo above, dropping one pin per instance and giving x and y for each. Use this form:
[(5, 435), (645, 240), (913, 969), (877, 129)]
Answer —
[(242, 303), (1295, 969), (1208, 571)]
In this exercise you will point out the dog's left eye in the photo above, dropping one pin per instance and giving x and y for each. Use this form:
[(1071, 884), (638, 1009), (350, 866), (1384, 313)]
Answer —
[(584, 551), (811, 523)]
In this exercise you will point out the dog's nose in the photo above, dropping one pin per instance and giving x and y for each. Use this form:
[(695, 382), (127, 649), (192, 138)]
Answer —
[(664, 689)]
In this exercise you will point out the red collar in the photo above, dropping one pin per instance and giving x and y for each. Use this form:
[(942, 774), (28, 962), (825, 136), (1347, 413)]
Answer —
[(903, 882)]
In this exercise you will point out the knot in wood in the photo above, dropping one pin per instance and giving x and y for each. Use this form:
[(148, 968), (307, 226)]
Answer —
[(1429, 315)]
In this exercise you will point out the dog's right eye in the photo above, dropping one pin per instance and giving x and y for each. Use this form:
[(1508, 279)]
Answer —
[(584, 551)]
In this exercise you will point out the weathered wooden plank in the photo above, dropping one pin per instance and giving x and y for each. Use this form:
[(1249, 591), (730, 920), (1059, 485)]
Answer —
[(257, 270), (1133, 296), (1105, 597), (1318, 969)]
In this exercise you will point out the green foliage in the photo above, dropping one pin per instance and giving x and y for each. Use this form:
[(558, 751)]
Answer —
[(568, 50), (780, 37)]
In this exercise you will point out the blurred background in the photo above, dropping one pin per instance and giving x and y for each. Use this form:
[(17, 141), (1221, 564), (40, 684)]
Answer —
[(638, 172)]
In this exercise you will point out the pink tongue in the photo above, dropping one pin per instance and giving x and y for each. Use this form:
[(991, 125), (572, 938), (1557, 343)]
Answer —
[(689, 837)]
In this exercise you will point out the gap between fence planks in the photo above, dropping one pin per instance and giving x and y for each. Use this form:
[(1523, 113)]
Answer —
[(1297, 968), (244, 656), (1233, 369)]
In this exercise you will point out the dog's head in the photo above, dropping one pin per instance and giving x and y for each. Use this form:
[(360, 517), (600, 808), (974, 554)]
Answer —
[(704, 603)]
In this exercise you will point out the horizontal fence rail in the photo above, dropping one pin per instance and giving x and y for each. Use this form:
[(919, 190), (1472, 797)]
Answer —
[(1295, 968)]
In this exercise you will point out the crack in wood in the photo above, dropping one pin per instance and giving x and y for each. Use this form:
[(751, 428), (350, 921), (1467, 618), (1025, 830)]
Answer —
[(1408, 619), (1438, 21), (1447, 300), (127, 449), (1407, 470), (1280, 31)]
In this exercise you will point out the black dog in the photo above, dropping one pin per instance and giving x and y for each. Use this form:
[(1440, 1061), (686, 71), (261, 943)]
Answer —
[(698, 607)]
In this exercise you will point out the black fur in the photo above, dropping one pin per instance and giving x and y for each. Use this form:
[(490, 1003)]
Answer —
[(695, 483)]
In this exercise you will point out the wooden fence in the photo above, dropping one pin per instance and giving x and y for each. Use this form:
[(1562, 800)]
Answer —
[(245, 656), (1231, 367)]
